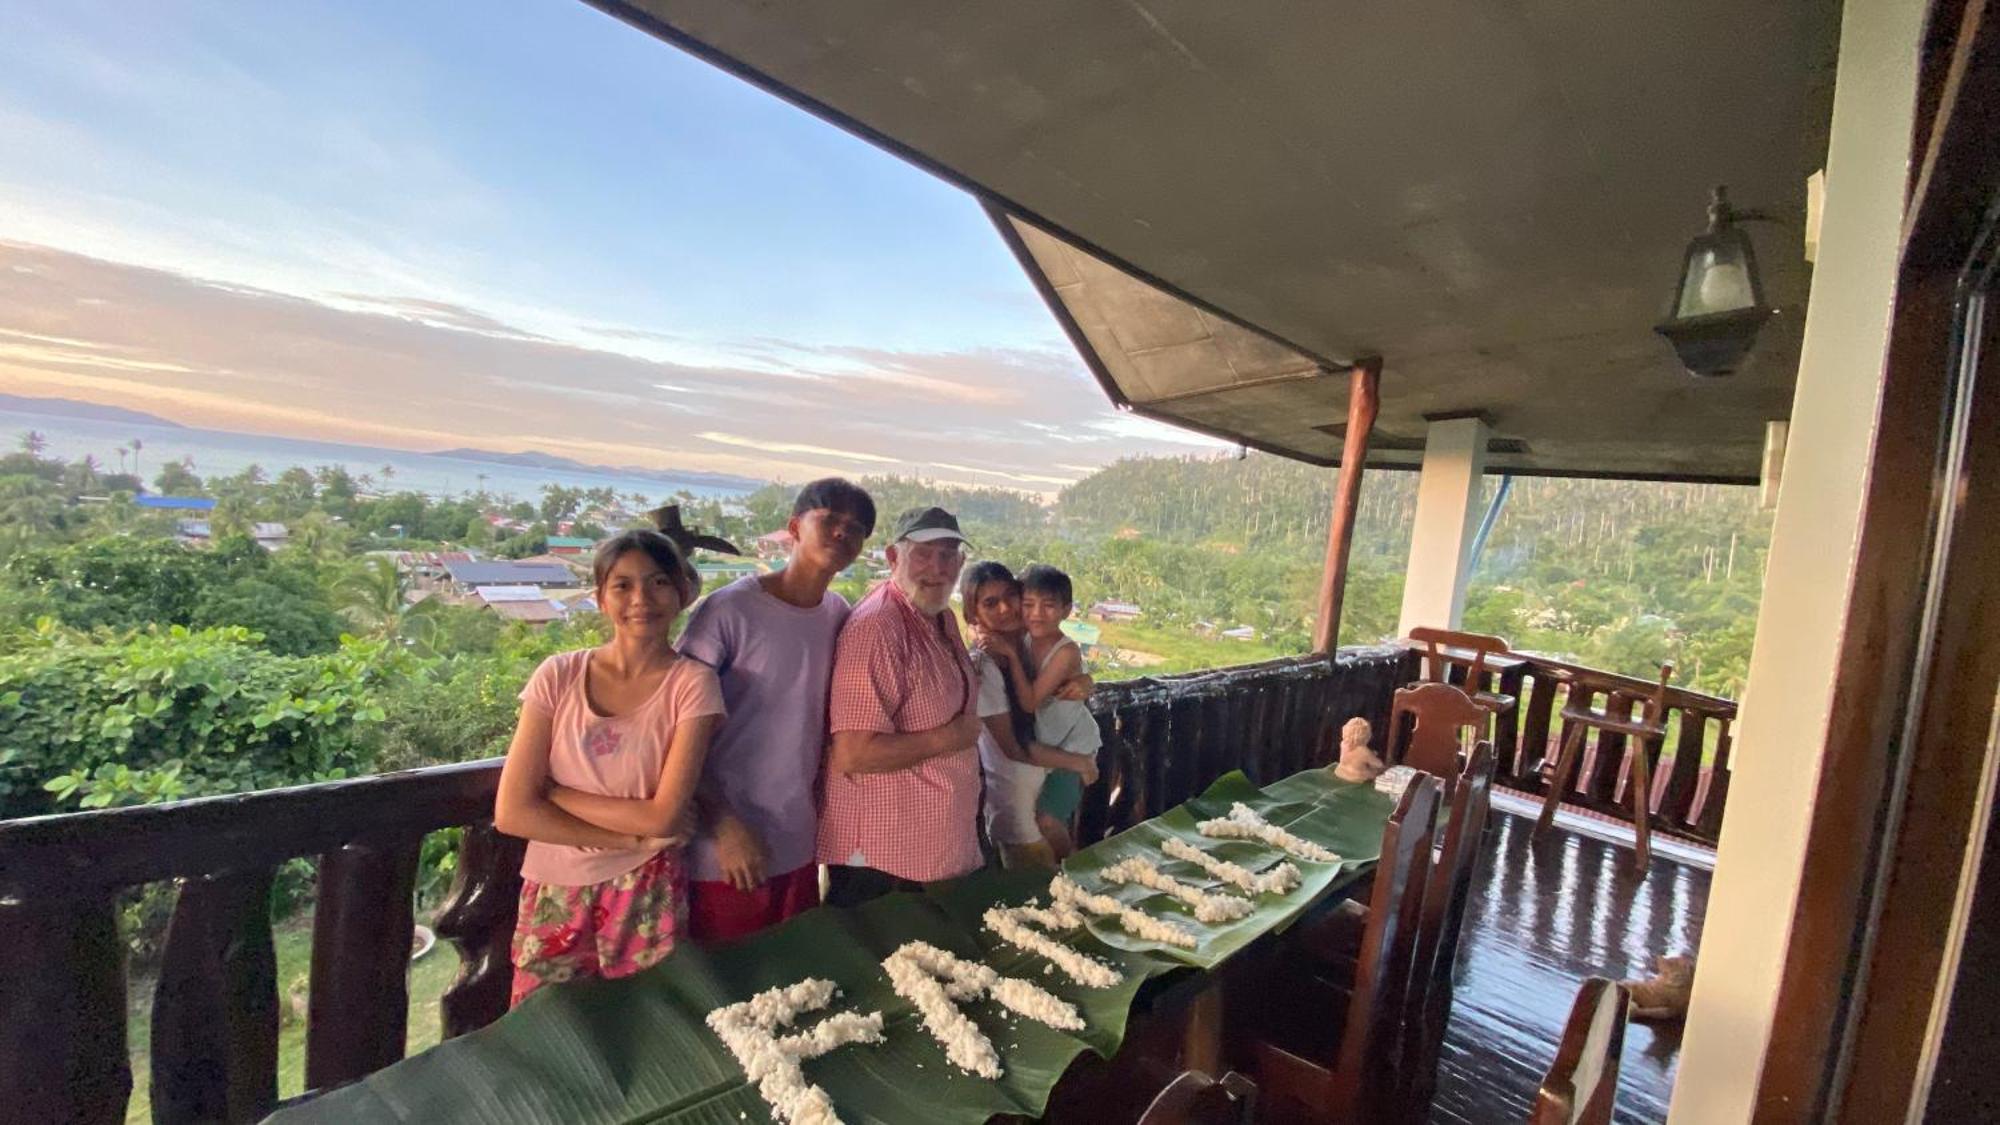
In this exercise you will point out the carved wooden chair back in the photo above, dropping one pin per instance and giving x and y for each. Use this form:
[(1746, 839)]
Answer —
[(1193, 1098), (1581, 1088), (1429, 1005), (1360, 1083), (1437, 668), (1435, 714)]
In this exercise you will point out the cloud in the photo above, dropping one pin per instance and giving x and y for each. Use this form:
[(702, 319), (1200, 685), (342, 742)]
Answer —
[(797, 447), (443, 314), (1022, 478), (423, 373)]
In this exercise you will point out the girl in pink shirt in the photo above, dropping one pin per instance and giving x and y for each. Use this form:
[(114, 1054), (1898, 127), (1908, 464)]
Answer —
[(601, 774)]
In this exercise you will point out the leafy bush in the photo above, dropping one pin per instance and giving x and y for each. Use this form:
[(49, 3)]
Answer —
[(173, 712), (127, 582), (461, 708)]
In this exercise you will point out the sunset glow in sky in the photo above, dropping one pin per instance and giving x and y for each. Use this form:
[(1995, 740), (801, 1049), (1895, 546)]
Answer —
[(537, 229)]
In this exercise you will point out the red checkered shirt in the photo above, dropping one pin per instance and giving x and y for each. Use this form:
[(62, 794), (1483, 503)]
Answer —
[(899, 671)]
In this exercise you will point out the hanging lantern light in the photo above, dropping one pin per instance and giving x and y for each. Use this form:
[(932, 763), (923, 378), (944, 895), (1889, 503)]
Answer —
[(1719, 304)]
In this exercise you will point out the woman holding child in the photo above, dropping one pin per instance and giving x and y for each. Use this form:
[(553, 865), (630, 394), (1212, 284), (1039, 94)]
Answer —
[(1040, 745)]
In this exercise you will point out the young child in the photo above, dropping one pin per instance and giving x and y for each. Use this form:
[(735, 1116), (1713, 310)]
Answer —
[(601, 774), (1067, 725), (1013, 762)]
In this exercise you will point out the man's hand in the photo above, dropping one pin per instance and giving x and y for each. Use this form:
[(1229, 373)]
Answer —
[(740, 853), (1002, 654), (961, 732)]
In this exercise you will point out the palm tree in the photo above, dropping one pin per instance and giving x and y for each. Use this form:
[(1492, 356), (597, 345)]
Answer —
[(315, 536), (388, 473), (137, 445), (29, 506), (122, 451), (88, 466), (33, 443), (373, 596)]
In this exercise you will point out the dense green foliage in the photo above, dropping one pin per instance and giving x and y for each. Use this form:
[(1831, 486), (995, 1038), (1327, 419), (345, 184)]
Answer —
[(124, 583), (168, 712), (1616, 574), (97, 595)]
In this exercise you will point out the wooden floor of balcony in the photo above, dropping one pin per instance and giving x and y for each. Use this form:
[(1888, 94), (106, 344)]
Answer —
[(1546, 914)]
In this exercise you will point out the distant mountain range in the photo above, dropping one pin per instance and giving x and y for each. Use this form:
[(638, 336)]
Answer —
[(70, 408), (530, 459), (527, 459)]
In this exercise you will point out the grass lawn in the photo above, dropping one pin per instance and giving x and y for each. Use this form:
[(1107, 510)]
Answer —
[(293, 939), (1177, 649)]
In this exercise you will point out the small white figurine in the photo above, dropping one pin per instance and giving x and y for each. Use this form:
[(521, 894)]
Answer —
[(1357, 761)]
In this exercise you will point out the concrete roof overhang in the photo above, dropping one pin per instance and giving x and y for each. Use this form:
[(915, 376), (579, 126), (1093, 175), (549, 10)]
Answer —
[(1225, 202)]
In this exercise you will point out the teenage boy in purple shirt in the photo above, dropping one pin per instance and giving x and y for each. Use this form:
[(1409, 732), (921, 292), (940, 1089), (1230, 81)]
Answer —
[(770, 639)]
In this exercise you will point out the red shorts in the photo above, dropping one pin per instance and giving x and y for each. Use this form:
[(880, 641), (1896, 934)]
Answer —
[(719, 912)]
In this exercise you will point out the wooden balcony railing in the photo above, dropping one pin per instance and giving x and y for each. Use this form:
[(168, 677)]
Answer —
[(1690, 769), (63, 1053)]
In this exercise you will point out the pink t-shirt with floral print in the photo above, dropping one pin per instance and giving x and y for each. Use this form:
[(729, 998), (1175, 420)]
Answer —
[(617, 756)]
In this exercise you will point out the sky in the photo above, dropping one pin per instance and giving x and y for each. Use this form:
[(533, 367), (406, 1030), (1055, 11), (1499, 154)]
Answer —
[(539, 229)]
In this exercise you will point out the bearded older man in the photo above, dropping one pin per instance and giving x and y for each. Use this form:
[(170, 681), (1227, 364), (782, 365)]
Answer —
[(902, 772)]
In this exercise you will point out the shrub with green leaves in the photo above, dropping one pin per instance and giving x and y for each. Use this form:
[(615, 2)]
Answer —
[(462, 707), (123, 582), (171, 712)]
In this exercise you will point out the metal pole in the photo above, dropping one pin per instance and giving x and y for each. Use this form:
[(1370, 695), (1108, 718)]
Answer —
[(1486, 523), (1363, 399)]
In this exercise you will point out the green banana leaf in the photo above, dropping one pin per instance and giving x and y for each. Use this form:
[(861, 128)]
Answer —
[(636, 1049), (1344, 816)]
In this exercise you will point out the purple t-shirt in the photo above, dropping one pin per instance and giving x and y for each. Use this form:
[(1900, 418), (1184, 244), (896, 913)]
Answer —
[(775, 660)]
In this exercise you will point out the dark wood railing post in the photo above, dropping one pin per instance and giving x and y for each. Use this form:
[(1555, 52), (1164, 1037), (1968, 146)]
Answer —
[(478, 919), (1223, 746), (1713, 793), (1141, 745), (1674, 790), (62, 1012), (1184, 730), (360, 960), (1094, 817), (1507, 727), (215, 1010), (1539, 711)]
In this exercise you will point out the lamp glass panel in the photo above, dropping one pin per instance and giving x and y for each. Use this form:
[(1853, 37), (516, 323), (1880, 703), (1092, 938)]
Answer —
[(1717, 278)]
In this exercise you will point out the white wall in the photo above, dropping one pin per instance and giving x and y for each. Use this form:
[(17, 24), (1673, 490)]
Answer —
[(1786, 704), (1447, 518)]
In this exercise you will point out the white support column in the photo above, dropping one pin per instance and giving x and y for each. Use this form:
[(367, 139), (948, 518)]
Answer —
[(1808, 575), (1447, 519)]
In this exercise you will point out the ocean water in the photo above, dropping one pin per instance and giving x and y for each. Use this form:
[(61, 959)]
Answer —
[(221, 453)]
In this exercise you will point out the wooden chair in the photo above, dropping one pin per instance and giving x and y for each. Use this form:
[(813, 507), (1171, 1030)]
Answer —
[(1354, 1078), (1648, 733), (1427, 1002), (1193, 1098), (1437, 668), (1435, 714), (1582, 1086), (1445, 900)]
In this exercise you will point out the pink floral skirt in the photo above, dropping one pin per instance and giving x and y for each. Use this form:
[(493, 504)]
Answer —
[(609, 929)]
